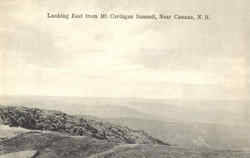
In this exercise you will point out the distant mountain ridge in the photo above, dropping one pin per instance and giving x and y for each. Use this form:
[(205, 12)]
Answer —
[(37, 119), (215, 136), (189, 111)]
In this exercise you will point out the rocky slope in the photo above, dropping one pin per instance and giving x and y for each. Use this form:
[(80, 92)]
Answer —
[(37, 144), (54, 134), (54, 145), (48, 120)]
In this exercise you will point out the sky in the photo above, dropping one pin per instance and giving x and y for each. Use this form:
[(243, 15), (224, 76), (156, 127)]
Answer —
[(125, 58)]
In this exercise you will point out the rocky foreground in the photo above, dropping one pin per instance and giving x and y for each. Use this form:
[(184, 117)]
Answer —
[(47, 120), (52, 134), (38, 144)]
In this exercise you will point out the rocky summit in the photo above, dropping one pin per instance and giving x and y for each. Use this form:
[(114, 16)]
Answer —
[(35, 133), (49, 120)]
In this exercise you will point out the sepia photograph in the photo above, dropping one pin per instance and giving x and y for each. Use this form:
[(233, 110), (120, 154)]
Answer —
[(124, 79)]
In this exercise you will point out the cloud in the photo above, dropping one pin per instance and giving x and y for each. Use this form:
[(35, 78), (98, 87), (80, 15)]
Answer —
[(146, 58), (34, 46)]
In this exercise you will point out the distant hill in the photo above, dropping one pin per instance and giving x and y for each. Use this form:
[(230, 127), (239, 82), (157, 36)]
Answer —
[(98, 107), (203, 111), (194, 135), (37, 119)]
